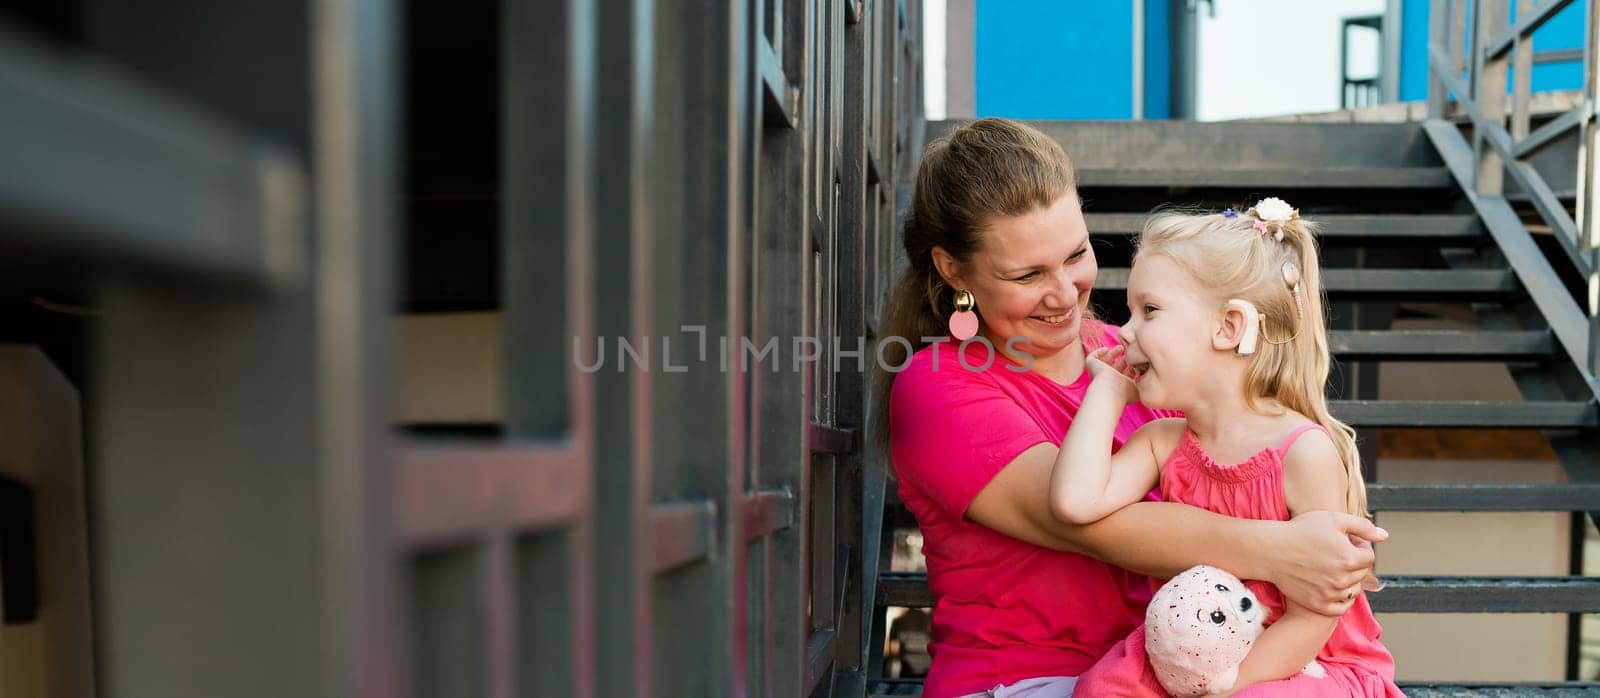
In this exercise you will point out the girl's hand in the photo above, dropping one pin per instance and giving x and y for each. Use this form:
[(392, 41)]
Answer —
[(1322, 559), (1111, 364)]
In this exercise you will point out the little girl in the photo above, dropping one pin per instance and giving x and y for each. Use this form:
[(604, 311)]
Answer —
[(1227, 327)]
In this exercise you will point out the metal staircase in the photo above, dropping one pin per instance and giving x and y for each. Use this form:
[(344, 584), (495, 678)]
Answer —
[(1405, 233)]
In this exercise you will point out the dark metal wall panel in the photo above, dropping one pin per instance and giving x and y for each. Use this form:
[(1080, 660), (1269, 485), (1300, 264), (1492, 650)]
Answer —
[(554, 589), (111, 176), (547, 166), (200, 427), (711, 183), (203, 495), (620, 282), (355, 53), (782, 259), (248, 62)]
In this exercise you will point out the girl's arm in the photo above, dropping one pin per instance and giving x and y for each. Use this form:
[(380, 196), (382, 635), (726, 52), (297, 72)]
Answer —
[(1089, 481), (1314, 559), (1313, 479), (1285, 649)]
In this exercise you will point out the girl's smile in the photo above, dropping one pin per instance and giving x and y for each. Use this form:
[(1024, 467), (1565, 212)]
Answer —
[(1168, 334)]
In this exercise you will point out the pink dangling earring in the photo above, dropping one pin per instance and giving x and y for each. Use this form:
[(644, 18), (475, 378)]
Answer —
[(964, 322)]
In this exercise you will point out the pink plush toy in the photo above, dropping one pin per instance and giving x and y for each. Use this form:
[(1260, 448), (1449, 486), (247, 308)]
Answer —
[(1199, 627)]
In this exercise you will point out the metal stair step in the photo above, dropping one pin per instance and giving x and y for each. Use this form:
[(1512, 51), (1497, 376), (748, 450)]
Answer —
[(1464, 414), (1549, 689), (1441, 229), (1357, 284), (887, 688), (893, 687), (1275, 178), (1454, 497), (1401, 594), (908, 589), (1420, 594), (1438, 345)]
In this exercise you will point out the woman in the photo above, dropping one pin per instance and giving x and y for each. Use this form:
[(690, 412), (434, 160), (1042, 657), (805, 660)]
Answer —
[(1023, 602)]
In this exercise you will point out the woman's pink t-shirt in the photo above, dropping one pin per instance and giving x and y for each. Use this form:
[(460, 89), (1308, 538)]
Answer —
[(1004, 610)]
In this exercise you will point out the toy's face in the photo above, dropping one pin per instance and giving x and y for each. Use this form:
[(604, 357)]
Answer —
[(1207, 606)]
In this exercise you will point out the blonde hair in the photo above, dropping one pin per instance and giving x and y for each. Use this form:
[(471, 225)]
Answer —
[(1291, 361)]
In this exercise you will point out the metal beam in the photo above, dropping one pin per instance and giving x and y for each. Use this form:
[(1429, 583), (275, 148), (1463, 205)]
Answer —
[(681, 533), (1567, 321), (1374, 283), (1457, 497), (1525, 26), (356, 45), (1530, 689), (1547, 202), (767, 512), (103, 169), (782, 100), (1465, 414), (1275, 177), (826, 439), (1415, 594), (1436, 345), (1436, 229), (819, 657), (1401, 594), (1552, 129), (445, 494), (892, 688), (1560, 55)]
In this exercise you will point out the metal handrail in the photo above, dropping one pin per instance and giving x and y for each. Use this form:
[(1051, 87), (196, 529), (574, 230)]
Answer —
[(1468, 61)]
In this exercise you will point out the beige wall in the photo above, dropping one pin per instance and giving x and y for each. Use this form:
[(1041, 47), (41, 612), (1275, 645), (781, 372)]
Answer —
[(1477, 647), (41, 446), (1459, 647), (449, 367)]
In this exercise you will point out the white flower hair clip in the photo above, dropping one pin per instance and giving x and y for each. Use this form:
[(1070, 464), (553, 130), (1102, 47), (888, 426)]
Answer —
[(1270, 214)]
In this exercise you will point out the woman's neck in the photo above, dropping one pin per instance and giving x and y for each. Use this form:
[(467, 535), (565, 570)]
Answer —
[(1063, 367)]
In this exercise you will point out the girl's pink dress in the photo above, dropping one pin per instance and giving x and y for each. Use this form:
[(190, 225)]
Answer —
[(1356, 662)]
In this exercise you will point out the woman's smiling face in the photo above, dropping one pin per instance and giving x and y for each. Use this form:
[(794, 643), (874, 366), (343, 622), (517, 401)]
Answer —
[(1031, 277)]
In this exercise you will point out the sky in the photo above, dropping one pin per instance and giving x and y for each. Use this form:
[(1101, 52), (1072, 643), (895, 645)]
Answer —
[(1256, 57), (1270, 57)]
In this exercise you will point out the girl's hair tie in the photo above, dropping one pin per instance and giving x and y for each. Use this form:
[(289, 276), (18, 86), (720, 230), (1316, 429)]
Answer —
[(1271, 214)]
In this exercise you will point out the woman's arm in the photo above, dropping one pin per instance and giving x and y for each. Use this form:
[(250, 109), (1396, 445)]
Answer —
[(1089, 481), (1314, 559)]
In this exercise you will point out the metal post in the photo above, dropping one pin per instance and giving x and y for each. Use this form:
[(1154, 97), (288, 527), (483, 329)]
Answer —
[(355, 54), (1489, 89), (1389, 69), (1457, 37), (1438, 37), (1588, 199), (1346, 101), (1522, 77), (1138, 59)]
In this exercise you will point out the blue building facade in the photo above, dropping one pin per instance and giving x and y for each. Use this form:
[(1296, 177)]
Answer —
[(1059, 59), (1563, 31), (1049, 59)]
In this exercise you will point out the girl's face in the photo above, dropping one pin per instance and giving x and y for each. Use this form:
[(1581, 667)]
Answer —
[(1031, 277), (1169, 333)]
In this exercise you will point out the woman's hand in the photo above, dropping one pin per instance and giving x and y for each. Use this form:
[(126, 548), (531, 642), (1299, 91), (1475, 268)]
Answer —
[(1111, 364), (1321, 559)]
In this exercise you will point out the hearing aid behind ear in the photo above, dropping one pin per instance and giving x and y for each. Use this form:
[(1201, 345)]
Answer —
[(1252, 325)]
